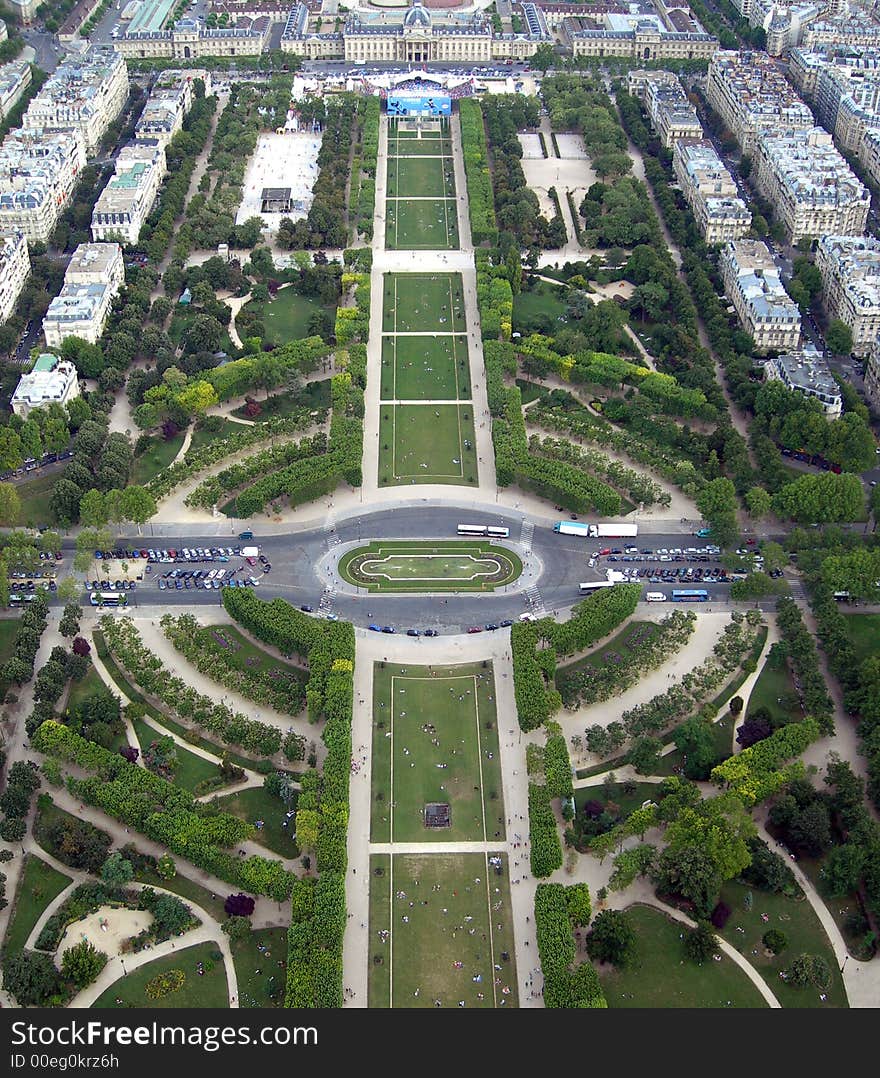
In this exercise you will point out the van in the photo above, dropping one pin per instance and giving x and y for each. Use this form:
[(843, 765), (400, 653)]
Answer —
[(655, 597), (245, 535)]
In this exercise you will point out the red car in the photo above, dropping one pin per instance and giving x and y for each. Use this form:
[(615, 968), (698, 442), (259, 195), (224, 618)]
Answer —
[(750, 542), (604, 550), (475, 629)]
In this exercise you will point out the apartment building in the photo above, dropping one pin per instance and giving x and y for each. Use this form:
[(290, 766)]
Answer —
[(164, 112), (806, 65), (806, 372), (86, 93), (754, 287), (751, 95), (850, 268), (672, 115), (872, 376), (52, 379), (126, 201), (92, 281), (38, 172), (858, 29), (644, 31), (710, 191), (811, 188), (15, 265), (14, 80)]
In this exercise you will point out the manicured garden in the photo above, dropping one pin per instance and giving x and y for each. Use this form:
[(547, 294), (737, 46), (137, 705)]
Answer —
[(441, 928), (196, 991), (539, 307), (38, 886), (155, 457), (775, 691), (313, 395), (419, 176), (435, 740), (430, 566), (216, 430), (662, 976), (426, 443), (189, 770), (287, 315)]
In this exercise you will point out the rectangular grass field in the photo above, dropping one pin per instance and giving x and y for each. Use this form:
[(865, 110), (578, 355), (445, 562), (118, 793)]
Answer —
[(435, 739), (423, 303), (425, 368), (427, 443), (421, 177), (441, 931), (421, 224)]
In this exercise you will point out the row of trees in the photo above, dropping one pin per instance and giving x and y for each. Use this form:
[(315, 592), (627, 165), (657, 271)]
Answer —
[(481, 201), (758, 772), (800, 649), (146, 669), (544, 844), (277, 687), (366, 198), (558, 911)]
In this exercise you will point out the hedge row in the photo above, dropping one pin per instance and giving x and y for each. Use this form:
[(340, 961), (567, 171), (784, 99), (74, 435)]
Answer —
[(757, 772), (481, 202), (163, 812), (801, 649), (546, 849), (565, 985), (353, 323), (366, 202), (557, 766)]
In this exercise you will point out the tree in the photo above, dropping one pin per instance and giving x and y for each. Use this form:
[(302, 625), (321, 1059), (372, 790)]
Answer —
[(543, 58), (197, 398), (237, 928), (13, 829), (31, 977), (695, 738), (843, 868), (839, 337), (775, 940), (809, 970), (645, 753), (821, 499), (239, 905), (717, 503), (10, 504), (166, 869), (82, 963), (138, 505), (93, 509), (116, 870), (64, 502), (69, 624), (700, 943), (758, 503), (612, 939)]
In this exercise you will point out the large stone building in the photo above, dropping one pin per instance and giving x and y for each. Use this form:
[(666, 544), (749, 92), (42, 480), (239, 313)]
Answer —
[(413, 35), (644, 31), (754, 287), (807, 373), (872, 376), (85, 93), (92, 281), (15, 265), (672, 115), (811, 188), (14, 80), (164, 112), (126, 201), (751, 95), (190, 39), (857, 30), (51, 380), (710, 191), (850, 268), (38, 172)]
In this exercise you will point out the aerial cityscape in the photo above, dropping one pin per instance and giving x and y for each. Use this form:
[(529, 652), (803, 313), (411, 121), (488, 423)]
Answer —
[(439, 461)]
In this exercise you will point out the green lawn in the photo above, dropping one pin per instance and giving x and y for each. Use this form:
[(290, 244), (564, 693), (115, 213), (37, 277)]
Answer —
[(531, 391), (536, 309), (422, 303), (80, 691), (256, 804), (249, 657), (35, 495), (202, 437), (805, 935), (635, 632), (427, 443), (437, 923), (155, 458), (840, 908), (420, 176), (286, 316), (663, 977), (408, 144), (435, 739), (775, 691), (425, 368), (183, 318), (429, 566), (190, 770), (626, 802), (8, 633), (39, 884), (208, 991), (864, 632), (261, 973), (313, 395), (426, 224), (188, 889)]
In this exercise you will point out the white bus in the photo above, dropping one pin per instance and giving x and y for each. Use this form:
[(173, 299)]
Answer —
[(596, 584), (484, 529), (108, 598)]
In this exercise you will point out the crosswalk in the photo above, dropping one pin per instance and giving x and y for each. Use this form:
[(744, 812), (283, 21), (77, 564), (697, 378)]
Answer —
[(533, 594), (325, 606), (528, 530)]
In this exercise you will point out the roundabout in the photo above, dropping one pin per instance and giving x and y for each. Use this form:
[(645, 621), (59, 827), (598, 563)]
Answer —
[(430, 566)]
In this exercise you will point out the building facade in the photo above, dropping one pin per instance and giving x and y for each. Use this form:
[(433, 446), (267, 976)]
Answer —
[(164, 111), (38, 172), (14, 80), (872, 376), (126, 201), (672, 115), (710, 191), (807, 373), (850, 268), (811, 188), (15, 265), (52, 379), (754, 287), (191, 39)]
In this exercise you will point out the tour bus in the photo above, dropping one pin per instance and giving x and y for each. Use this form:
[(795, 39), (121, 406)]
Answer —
[(483, 529), (689, 595), (108, 598), (655, 597), (596, 584)]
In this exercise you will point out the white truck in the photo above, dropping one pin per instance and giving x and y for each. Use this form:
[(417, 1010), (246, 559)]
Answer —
[(250, 551), (597, 531)]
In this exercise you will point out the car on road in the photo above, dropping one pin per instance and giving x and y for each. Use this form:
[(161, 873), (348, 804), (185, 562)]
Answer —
[(489, 626), (388, 629), (605, 550), (306, 609), (504, 624), (475, 629), (413, 632), (430, 632)]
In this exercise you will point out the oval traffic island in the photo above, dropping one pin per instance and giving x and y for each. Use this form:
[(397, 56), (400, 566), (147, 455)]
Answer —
[(430, 566)]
